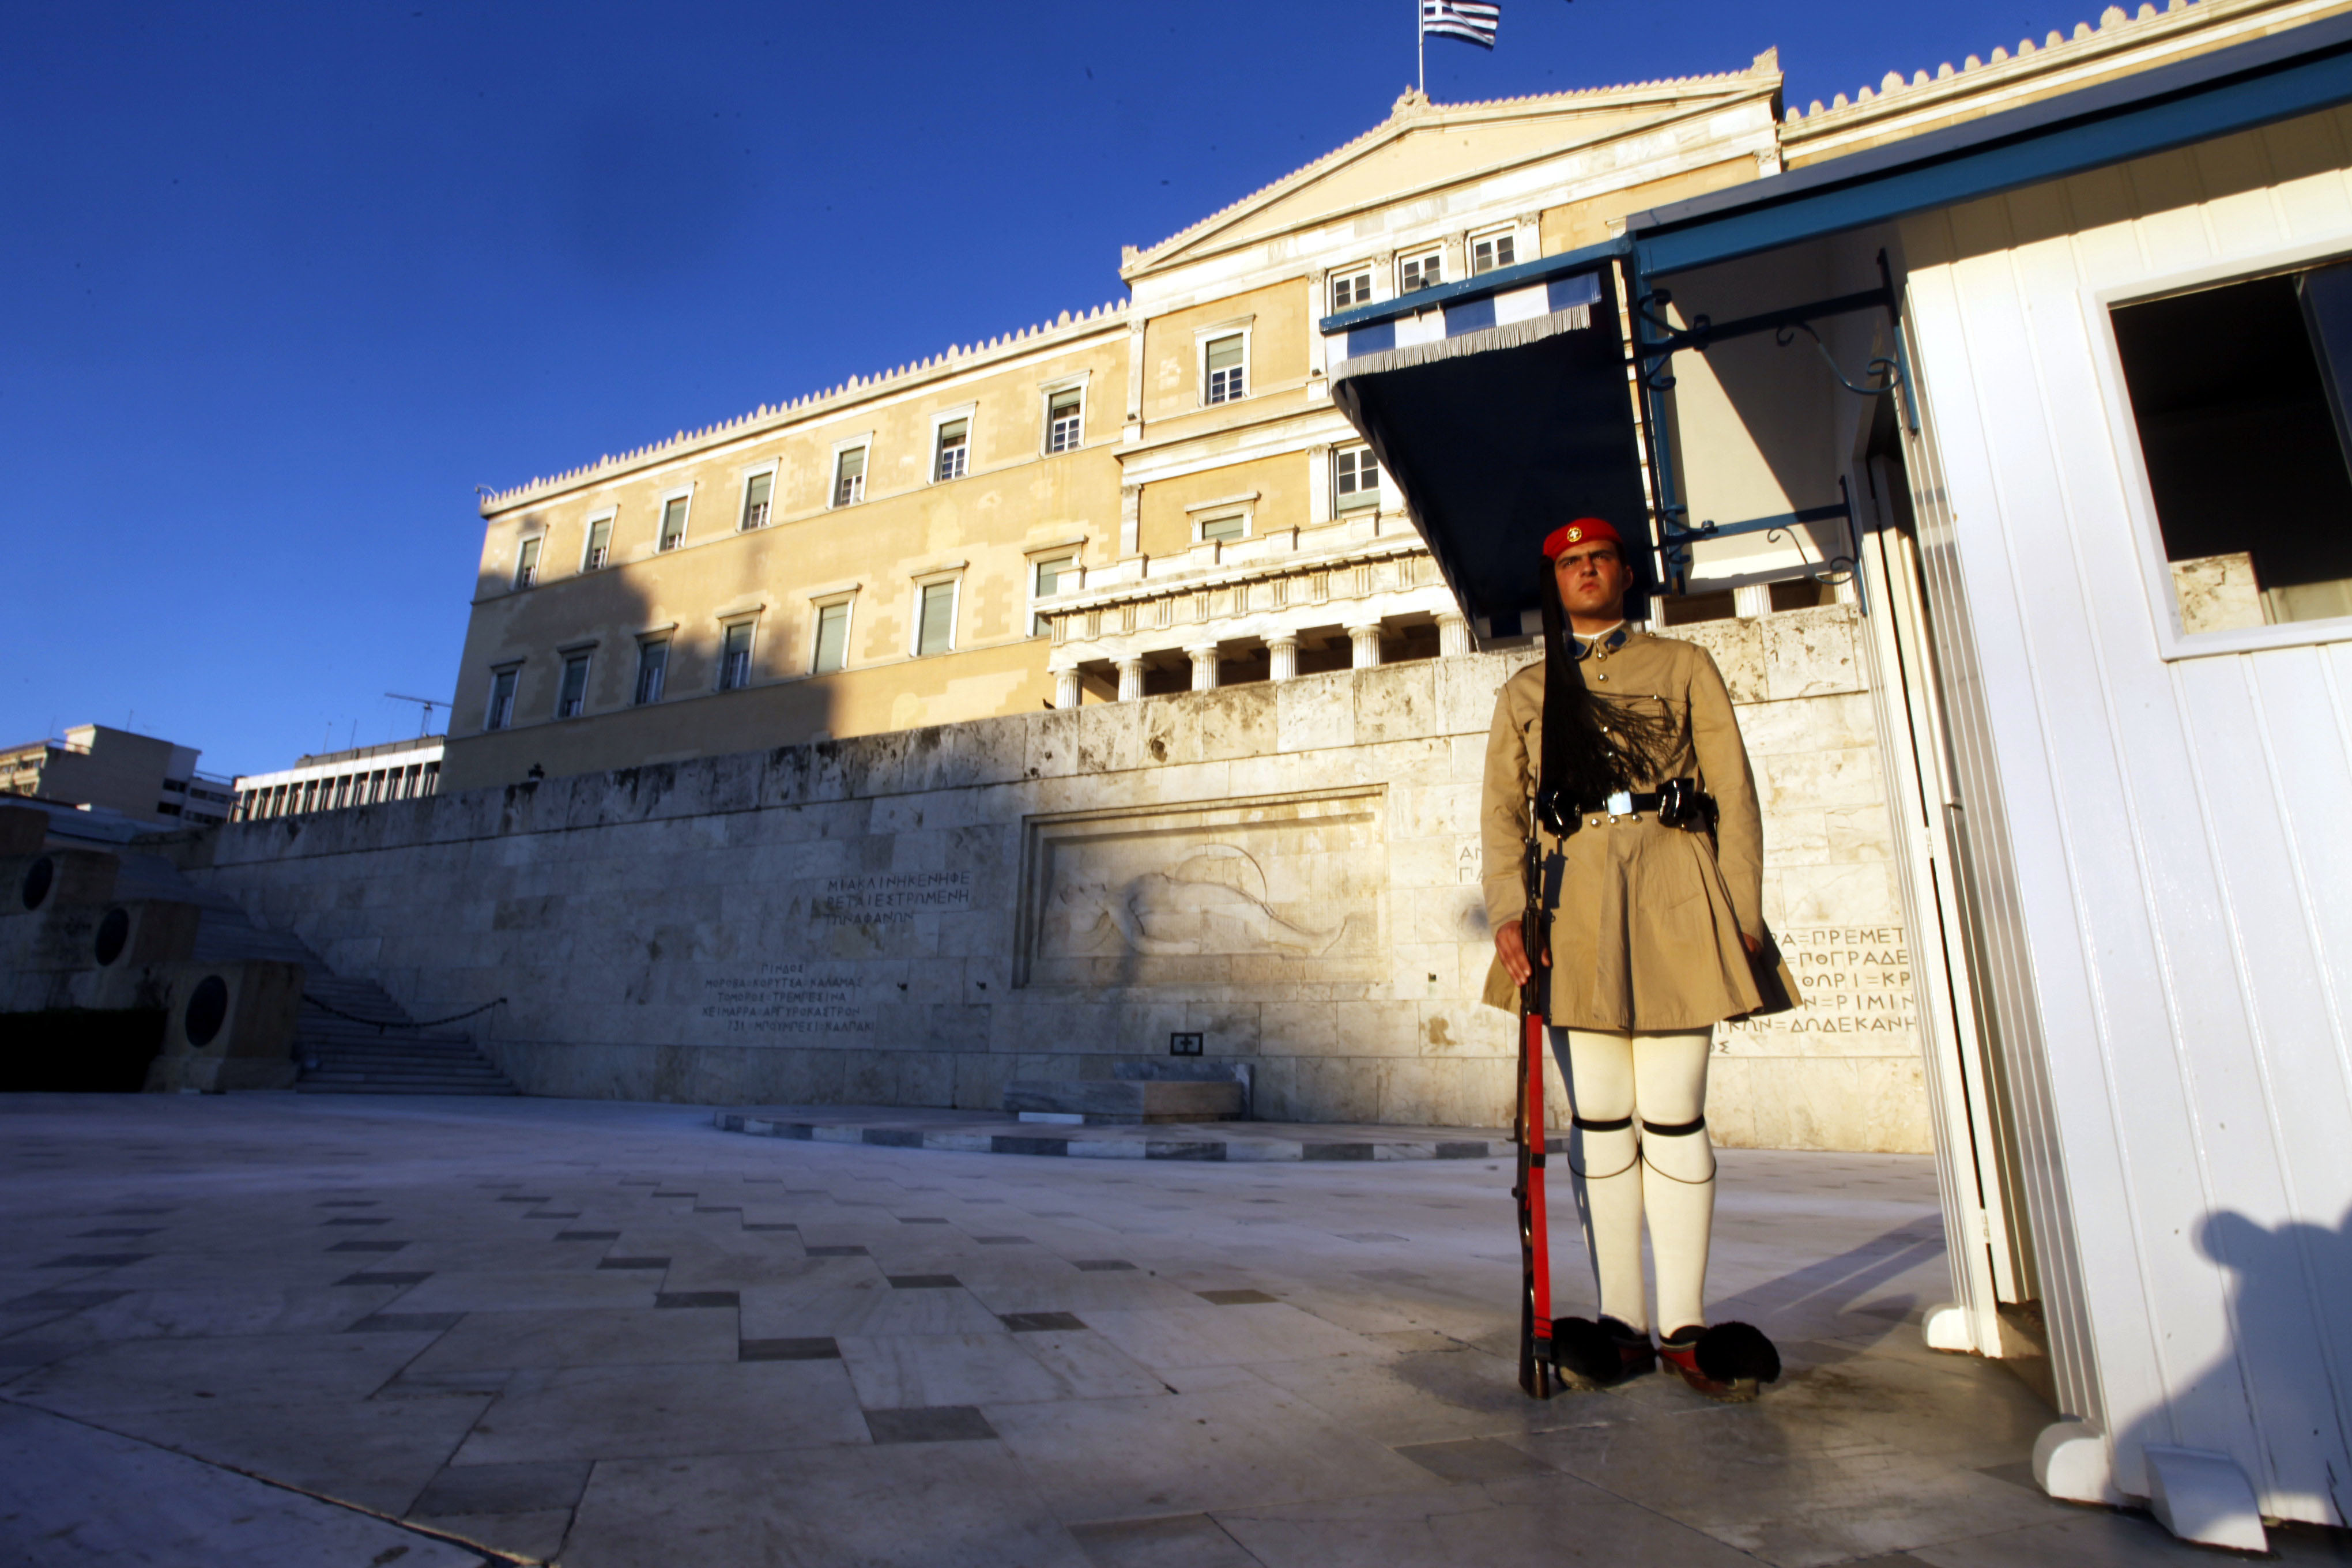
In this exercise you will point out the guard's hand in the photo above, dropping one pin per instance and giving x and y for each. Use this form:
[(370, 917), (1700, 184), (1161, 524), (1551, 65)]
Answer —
[(1750, 943), (1512, 950)]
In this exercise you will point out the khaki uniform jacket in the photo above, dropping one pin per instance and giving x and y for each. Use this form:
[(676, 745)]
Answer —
[(1646, 931)]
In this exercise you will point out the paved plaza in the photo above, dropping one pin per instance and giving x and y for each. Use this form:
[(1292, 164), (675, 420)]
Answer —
[(271, 1331)]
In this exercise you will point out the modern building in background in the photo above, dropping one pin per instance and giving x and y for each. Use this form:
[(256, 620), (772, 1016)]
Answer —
[(397, 770), (146, 779)]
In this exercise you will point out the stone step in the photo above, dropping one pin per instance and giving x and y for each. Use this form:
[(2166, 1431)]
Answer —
[(1125, 1100)]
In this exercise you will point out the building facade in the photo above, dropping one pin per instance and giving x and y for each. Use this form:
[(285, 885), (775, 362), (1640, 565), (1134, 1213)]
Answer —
[(1155, 496), (144, 778)]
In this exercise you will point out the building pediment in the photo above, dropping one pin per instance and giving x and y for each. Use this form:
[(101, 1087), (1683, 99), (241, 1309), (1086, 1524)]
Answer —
[(1423, 148)]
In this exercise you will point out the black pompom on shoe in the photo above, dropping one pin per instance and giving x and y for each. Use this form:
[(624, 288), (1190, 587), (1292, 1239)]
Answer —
[(1728, 1362), (1590, 1355)]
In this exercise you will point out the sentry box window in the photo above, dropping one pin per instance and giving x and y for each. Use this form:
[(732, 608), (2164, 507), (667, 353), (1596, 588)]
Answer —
[(1181, 1044)]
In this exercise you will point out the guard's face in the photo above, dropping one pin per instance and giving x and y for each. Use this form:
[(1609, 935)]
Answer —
[(1592, 579)]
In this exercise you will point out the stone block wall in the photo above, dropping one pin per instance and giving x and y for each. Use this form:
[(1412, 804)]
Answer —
[(1290, 869)]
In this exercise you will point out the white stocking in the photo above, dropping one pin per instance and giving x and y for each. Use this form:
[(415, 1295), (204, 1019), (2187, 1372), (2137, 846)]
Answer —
[(1627, 1087)]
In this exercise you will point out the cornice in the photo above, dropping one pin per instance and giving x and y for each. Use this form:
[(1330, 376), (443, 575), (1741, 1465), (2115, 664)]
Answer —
[(770, 418), (1413, 111), (2120, 44)]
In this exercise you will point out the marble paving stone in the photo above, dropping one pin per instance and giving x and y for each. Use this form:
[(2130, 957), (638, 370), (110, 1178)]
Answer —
[(1475, 1460), (1034, 1322), (907, 1371), (233, 1309), (1520, 1524), (1794, 1491), (673, 1300), (578, 1338), (1423, 1395), (1243, 1335), (74, 1497), (630, 1412), (927, 1505), (1176, 1540), (543, 1290), (1292, 1404), (504, 1488), (374, 1453), (787, 1350), (2089, 1537), (1227, 1447), (934, 1424), (161, 1373), (535, 1537), (406, 1322), (866, 1306)]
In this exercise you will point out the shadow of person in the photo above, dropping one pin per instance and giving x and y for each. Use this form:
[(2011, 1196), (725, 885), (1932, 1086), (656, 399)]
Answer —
[(2279, 1400)]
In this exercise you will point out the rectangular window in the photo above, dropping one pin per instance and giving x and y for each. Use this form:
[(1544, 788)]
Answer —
[(954, 450), (500, 713), (1233, 527), (673, 524), (832, 638), (527, 563), (1423, 271), (2240, 393), (600, 544), (1489, 251), (1352, 289), (735, 658), (653, 671), (1051, 576), (849, 477), (571, 697), (756, 491), (1223, 360), (936, 630), (1355, 478), (1064, 420)]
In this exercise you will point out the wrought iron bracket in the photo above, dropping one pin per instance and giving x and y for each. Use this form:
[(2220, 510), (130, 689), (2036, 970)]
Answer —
[(1654, 353), (1675, 540)]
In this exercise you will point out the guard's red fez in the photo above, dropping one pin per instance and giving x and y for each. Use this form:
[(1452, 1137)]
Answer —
[(1578, 532)]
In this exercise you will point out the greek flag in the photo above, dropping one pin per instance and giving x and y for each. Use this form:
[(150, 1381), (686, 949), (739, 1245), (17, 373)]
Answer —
[(1472, 21)]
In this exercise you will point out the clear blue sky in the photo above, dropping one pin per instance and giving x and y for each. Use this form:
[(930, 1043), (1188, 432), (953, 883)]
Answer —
[(282, 284)]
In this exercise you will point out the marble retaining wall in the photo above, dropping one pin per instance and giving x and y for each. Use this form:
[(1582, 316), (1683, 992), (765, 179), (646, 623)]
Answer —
[(1289, 870)]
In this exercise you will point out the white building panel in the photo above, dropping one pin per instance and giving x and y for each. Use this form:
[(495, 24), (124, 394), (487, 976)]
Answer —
[(2177, 816)]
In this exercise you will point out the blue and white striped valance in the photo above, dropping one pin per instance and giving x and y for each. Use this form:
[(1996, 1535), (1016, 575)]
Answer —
[(1579, 292)]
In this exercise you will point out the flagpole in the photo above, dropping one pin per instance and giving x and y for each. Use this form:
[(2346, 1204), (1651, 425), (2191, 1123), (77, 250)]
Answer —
[(1419, 49)]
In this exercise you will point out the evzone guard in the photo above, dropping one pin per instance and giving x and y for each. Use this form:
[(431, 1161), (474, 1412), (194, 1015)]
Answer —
[(1624, 884)]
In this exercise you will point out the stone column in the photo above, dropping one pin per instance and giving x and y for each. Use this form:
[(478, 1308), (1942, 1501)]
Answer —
[(1282, 657), (1066, 692), (1205, 666), (1453, 635), (1130, 680), (1752, 600), (1366, 641)]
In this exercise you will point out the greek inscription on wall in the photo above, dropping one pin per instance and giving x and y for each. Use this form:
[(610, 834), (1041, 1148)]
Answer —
[(1850, 980), (890, 898), (790, 999)]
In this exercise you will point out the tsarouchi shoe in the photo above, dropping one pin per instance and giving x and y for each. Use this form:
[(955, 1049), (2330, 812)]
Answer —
[(1600, 1355), (1727, 1362)]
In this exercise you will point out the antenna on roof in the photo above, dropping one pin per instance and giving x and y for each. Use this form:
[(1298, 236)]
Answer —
[(425, 720)]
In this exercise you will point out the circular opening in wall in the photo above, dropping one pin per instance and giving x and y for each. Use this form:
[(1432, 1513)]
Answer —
[(37, 878), (208, 1010), (113, 935)]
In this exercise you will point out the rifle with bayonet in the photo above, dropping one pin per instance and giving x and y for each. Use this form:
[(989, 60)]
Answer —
[(1536, 1371)]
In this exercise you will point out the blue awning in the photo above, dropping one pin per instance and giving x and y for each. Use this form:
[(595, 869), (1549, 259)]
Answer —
[(1500, 412)]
